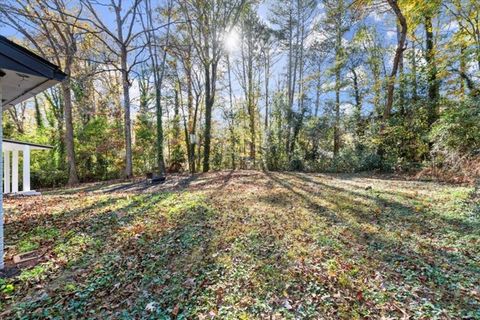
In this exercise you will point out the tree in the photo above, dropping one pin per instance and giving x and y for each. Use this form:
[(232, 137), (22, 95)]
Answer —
[(397, 58), (424, 13), (252, 33), (17, 113), (293, 21), (355, 61), (466, 12), (158, 67), (467, 38), (317, 54), (229, 113), (375, 60), (337, 23), (208, 22), (123, 37), (145, 136), (181, 48), (58, 25)]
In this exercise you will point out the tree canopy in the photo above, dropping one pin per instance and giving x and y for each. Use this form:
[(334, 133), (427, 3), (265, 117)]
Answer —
[(199, 85)]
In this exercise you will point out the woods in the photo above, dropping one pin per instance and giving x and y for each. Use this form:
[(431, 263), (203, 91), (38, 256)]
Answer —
[(240, 159), (199, 85)]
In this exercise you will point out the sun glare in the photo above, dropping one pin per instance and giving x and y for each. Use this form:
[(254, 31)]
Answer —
[(232, 41)]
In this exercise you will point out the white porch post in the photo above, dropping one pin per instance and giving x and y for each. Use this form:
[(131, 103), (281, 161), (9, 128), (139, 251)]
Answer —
[(26, 168), (6, 171), (1, 187), (15, 171)]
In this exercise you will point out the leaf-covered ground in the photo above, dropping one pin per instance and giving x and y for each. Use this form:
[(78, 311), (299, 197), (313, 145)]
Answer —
[(248, 245)]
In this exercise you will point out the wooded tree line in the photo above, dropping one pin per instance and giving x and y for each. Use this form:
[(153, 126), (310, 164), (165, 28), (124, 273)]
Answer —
[(199, 85)]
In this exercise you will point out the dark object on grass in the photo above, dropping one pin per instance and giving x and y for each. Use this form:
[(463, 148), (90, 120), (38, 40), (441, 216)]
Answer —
[(368, 188), (158, 179), (154, 179)]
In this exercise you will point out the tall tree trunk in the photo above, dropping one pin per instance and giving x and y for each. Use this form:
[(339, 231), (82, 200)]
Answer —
[(393, 75), (267, 77), (301, 98), (191, 115), (338, 62), (158, 74), (292, 76), (477, 38), (318, 87), (175, 163), (289, 74), (463, 68), (414, 71), (126, 93), (433, 88), (159, 119), (377, 89), (127, 119), (209, 101), (396, 61), (69, 144), (230, 116), (336, 127), (358, 104), (200, 134), (251, 106), (158, 77), (401, 95), (38, 114)]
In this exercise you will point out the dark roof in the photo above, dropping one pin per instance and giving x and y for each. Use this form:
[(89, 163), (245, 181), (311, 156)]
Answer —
[(24, 73), (27, 143), (17, 58)]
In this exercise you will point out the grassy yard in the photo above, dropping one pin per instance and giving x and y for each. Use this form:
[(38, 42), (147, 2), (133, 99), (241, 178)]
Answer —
[(248, 245)]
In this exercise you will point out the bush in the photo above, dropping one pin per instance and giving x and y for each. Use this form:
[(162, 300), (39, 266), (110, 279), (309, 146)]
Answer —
[(48, 178), (405, 139), (458, 129), (296, 165), (351, 160), (456, 144)]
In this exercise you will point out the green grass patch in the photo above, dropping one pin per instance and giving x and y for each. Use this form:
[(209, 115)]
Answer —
[(33, 239)]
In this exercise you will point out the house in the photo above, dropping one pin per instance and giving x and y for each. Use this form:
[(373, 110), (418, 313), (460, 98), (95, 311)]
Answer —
[(23, 74)]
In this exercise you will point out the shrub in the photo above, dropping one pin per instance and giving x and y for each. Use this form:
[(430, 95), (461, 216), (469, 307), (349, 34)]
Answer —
[(456, 144), (458, 129), (296, 165)]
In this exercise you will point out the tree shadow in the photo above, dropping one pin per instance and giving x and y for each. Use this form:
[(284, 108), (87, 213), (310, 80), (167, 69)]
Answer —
[(408, 214), (183, 254), (377, 238)]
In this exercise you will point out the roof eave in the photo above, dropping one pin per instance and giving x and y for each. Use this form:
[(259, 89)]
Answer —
[(25, 58), (41, 146)]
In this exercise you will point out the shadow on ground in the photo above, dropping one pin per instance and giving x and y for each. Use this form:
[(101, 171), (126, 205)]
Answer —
[(249, 244)]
